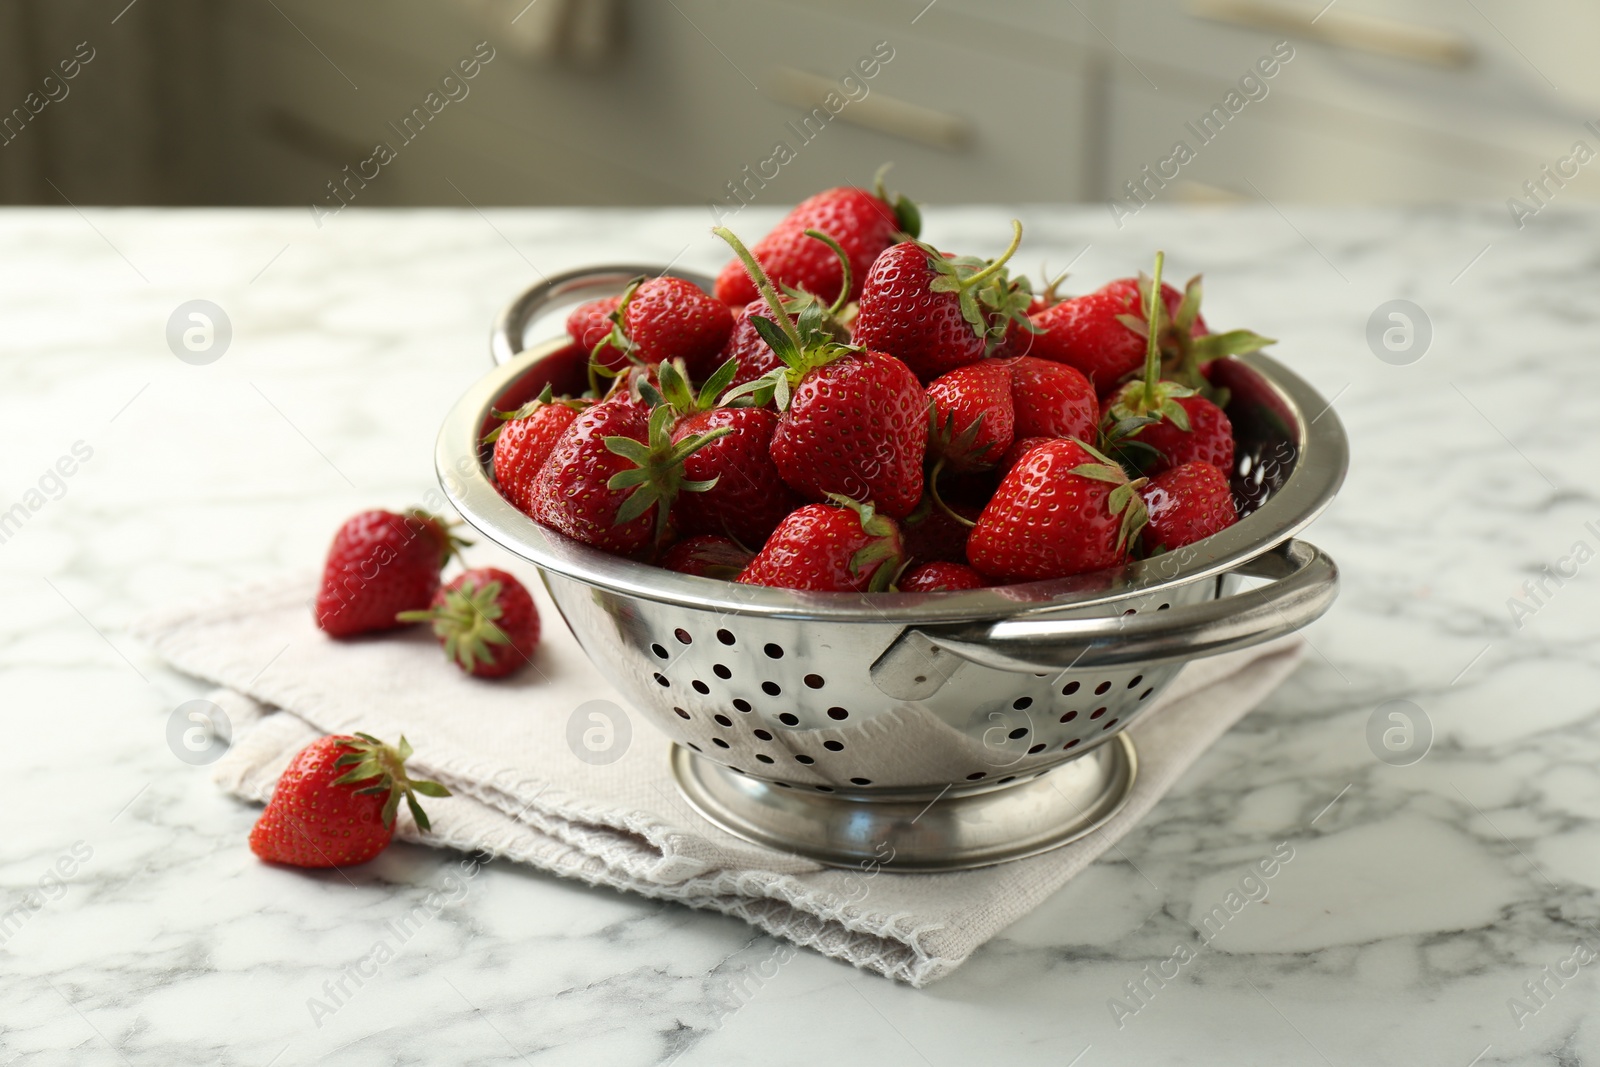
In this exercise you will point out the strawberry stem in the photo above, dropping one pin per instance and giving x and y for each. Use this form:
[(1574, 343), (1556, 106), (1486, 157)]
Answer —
[(844, 269), (1152, 353), (999, 262), (763, 285)]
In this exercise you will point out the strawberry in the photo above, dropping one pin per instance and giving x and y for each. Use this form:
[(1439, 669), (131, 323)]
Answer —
[(940, 577), (1185, 504), (934, 535), (746, 345), (590, 325), (612, 478), (335, 804), (669, 318), (971, 415), (525, 439), (1165, 415), (745, 497), (839, 547), (852, 422), (863, 224), (1019, 448), (708, 556), (485, 620), (936, 313), (1051, 399), (381, 563), (1064, 509)]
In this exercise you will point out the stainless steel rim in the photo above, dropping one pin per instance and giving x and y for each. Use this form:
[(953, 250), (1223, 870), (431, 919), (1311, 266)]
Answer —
[(921, 832)]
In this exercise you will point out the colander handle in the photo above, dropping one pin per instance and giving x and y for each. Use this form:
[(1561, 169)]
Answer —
[(1304, 582), (556, 292)]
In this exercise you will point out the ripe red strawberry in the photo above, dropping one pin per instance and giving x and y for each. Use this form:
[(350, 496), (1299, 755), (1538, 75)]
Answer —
[(750, 497), (853, 422), (380, 564), (485, 620), (1051, 399), (591, 324), (932, 535), (1185, 504), (670, 318), (838, 547), (936, 313), (1019, 448), (708, 556), (971, 415), (1064, 509), (613, 476), (745, 344), (1166, 415), (335, 804), (863, 224), (525, 440), (940, 577)]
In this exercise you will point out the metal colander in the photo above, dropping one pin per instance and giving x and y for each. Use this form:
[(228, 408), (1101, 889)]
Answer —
[(942, 730)]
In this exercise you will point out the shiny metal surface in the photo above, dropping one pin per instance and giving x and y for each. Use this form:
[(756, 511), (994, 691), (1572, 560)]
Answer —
[(853, 699), (911, 832)]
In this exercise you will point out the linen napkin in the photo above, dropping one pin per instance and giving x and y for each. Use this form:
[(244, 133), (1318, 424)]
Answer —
[(521, 792)]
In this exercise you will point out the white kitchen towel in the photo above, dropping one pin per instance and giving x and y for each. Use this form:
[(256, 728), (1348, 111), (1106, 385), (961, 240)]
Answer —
[(521, 793)]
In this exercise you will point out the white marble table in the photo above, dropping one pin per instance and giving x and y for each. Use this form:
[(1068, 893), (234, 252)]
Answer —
[(1420, 899)]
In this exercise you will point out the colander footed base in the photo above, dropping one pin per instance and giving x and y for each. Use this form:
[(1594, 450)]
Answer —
[(909, 831)]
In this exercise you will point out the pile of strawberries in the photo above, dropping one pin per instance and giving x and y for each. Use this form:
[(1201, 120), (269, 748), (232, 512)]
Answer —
[(853, 409)]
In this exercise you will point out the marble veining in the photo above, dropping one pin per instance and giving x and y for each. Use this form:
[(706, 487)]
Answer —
[(1444, 912)]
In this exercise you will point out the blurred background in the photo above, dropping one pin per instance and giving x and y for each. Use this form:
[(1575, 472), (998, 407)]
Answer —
[(301, 102)]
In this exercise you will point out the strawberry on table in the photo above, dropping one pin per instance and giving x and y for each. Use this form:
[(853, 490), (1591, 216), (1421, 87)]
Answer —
[(612, 478), (335, 804), (1063, 509), (1166, 415), (936, 313), (381, 563), (862, 223), (1185, 504), (852, 421), (940, 577), (844, 546), (525, 439), (708, 556), (486, 621)]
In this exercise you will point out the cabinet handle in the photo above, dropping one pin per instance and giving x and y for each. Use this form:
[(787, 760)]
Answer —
[(1344, 29), (875, 111)]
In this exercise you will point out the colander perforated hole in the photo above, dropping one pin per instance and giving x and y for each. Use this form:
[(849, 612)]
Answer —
[(1133, 683), (1022, 703), (719, 742), (772, 689), (1097, 712), (1069, 716), (838, 713), (814, 681), (833, 746), (1035, 750), (1100, 690), (723, 720), (681, 713), (788, 719), (1164, 607), (721, 672), (700, 687), (975, 775), (661, 680), (741, 704), (824, 788), (1109, 725), (1068, 689), (683, 636), (802, 758), (783, 785), (861, 781), (1147, 692), (694, 746), (763, 735), (1131, 611), (1017, 734), (660, 652), (1007, 778), (725, 637), (762, 757), (773, 651), (1071, 744)]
